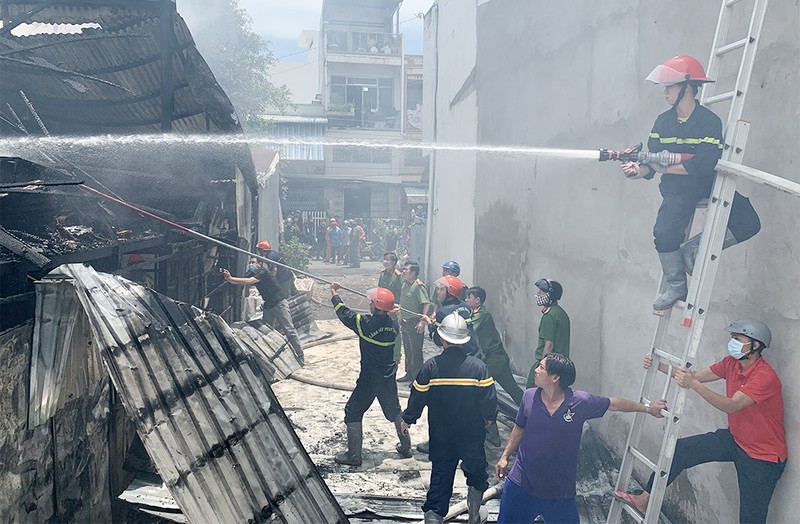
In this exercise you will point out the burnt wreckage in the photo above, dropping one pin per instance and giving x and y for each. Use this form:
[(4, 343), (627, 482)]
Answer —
[(109, 367)]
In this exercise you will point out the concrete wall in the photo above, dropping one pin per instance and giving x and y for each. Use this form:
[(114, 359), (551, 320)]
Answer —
[(571, 75), (449, 95)]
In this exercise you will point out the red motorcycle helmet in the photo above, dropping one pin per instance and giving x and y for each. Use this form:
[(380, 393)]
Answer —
[(381, 298), (681, 68), (453, 284)]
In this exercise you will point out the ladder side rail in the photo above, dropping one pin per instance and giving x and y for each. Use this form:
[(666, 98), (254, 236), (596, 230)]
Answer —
[(720, 34), (748, 59)]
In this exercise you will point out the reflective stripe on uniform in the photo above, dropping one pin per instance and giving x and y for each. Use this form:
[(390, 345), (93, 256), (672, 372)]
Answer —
[(337, 306), (453, 382), (370, 340), (679, 141)]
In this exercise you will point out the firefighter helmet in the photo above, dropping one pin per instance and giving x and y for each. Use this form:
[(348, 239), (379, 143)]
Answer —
[(453, 284), (381, 298), (681, 68), (264, 245), (454, 329), (752, 328)]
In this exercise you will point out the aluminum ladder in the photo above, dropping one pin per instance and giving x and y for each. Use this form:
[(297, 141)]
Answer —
[(704, 271)]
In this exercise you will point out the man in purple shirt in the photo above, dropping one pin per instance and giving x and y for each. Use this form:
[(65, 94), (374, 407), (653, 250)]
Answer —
[(547, 437)]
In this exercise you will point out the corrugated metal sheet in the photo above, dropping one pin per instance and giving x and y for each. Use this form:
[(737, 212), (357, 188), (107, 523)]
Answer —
[(201, 403)]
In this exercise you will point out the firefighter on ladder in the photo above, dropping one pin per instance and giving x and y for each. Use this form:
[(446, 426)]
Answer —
[(687, 127)]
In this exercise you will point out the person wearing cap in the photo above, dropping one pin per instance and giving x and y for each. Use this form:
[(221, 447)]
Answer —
[(376, 379), (392, 279), (755, 439), (453, 269), (554, 328), (687, 127), (546, 438), (276, 311), (461, 400)]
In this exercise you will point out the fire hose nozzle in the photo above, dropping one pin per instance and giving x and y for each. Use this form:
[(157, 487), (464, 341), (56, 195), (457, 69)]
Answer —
[(635, 154)]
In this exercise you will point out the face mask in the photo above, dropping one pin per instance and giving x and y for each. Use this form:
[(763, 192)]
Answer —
[(386, 263), (735, 349), (543, 300), (253, 268)]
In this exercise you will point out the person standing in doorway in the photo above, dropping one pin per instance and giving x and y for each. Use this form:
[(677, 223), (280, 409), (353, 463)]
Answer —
[(554, 328)]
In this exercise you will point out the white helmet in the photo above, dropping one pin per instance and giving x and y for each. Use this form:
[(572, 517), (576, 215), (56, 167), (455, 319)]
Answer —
[(454, 329)]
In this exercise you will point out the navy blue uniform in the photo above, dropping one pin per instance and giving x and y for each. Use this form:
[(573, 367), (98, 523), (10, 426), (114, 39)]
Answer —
[(461, 399), (701, 135), (451, 305), (376, 336)]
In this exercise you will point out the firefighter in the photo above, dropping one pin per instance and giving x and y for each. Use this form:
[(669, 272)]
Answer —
[(461, 401), (687, 127), (449, 290), (392, 279), (376, 335)]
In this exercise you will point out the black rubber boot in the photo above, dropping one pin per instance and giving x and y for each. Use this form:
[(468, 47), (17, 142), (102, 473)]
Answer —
[(351, 457), (674, 278)]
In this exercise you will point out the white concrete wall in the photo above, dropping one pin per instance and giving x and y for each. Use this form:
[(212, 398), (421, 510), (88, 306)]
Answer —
[(571, 75), (450, 29)]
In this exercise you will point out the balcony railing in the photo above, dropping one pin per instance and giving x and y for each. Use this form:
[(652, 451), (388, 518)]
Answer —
[(357, 42)]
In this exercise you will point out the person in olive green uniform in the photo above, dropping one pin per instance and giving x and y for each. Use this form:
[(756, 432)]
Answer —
[(554, 326), (494, 354), (392, 279), (413, 297)]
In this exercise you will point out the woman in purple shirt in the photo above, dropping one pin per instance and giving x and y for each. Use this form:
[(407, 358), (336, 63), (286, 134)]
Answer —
[(547, 438)]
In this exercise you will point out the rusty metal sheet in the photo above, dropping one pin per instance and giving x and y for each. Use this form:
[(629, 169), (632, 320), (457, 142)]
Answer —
[(201, 403)]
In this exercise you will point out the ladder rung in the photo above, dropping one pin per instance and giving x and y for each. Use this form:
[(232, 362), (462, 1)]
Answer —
[(635, 515), (730, 3), (668, 356), (720, 98), (702, 203), (732, 46), (644, 460)]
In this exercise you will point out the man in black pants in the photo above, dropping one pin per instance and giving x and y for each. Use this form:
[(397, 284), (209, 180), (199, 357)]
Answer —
[(755, 440), (376, 336), (461, 402), (687, 127)]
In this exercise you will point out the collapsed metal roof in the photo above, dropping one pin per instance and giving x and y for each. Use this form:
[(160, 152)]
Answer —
[(108, 79), (199, 397)]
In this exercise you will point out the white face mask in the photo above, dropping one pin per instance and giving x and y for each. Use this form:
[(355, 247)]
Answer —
[(735, 349), (386, 263)]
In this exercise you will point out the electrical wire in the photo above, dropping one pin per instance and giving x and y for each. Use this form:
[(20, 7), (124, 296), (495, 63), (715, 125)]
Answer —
[(223, 244)]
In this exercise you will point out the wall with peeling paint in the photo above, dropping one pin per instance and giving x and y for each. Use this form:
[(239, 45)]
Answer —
[(571, 75)]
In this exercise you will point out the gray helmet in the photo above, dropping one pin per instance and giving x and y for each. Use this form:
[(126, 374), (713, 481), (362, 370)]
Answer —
[(752, 328), (454, 329)]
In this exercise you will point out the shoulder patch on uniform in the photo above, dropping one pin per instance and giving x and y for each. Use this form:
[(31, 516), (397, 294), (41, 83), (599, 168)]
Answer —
[(419, 282), (397, 272)]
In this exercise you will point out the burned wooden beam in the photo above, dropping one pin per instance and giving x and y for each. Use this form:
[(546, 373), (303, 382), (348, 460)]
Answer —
[(20, 248)]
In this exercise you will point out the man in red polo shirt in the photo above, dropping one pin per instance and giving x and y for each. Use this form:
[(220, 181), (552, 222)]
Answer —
[(755, 440)]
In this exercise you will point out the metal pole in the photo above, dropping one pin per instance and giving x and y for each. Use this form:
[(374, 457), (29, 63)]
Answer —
[(760, 177)]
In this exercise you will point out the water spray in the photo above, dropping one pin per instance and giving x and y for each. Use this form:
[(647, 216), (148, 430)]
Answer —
[(223, 244), (635, 154)]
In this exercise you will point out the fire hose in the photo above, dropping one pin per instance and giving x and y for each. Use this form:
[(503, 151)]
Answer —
[(635, 154), (225, 245)]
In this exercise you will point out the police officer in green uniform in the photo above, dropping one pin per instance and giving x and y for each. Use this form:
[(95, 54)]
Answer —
[(554, 326), (392, 279), (494, 354), (413, 297)]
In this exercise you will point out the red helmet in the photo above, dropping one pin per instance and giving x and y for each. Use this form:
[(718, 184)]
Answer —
[(264, 245), (678, 69), (381, 298), (453, 284)]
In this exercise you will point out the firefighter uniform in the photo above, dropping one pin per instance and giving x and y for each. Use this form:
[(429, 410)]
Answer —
[(701, 135), (454, 305), (461, 400), (393, 281), (376, 336)]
